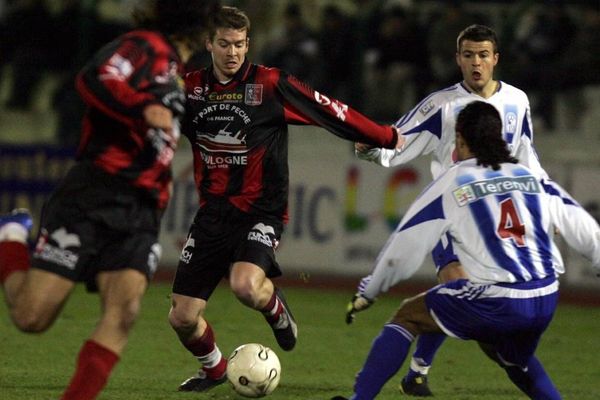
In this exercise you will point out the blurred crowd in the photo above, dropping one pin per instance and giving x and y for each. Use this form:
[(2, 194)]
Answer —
[(380, 56)]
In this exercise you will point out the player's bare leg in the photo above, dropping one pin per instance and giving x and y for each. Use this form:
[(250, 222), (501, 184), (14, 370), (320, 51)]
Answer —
[(251, 286), (121, 294), (36, 298), (196, 335), (415, 382)]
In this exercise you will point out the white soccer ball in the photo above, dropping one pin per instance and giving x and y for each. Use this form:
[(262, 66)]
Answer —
[(253, 370)]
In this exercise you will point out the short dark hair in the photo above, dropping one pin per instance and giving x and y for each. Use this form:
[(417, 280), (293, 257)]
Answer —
[(477, 33), (228, 17), (480, 126)]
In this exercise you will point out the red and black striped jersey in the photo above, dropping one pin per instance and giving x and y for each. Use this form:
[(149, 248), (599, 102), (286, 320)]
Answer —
[(239, 134), (135, 70)]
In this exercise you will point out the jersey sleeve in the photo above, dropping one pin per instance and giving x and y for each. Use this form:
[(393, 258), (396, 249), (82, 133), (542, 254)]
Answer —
[(579, 229), (304, 105), (422, 130), (406, 249), (125, 76)]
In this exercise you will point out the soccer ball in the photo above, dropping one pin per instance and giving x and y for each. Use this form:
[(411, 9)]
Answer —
[(253, 370)]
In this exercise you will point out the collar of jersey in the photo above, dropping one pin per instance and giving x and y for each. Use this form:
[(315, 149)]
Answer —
[(239, 76)]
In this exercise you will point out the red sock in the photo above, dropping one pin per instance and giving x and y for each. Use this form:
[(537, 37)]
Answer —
[(202, 347), (273, 309), (218, 371), (94, 365), (14, 256)]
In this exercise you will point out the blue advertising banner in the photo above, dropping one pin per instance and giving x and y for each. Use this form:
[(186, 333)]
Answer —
[(28, 173)]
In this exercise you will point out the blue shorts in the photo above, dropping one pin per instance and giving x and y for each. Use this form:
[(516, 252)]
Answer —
[(511, 317), (443, 253)]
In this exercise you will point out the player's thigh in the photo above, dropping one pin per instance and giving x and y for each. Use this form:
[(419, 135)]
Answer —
[(40, 299), (414, 315), (451, 272), (443, 255), (121, 293), (246, 276)]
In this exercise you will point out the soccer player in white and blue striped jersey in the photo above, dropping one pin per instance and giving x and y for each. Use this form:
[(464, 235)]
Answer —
[(429, 129), (501, 218)]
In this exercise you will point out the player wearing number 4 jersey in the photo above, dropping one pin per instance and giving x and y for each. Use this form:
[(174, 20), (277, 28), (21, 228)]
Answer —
[(429, 129), (237, 121), (502, 219)]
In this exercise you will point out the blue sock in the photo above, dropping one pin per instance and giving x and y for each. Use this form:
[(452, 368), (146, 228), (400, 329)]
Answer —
[(387, 354), (427, 346), (534, 382)]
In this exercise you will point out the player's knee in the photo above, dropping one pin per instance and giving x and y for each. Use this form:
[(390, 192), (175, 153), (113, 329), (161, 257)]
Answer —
[(182, 321), (128, 315), (246, 290), (29, 321)]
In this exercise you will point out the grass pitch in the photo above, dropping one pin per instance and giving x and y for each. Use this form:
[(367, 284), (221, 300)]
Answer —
[(328, 354)]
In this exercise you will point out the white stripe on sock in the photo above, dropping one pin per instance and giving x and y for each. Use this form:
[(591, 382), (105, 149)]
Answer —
[(211, 359)]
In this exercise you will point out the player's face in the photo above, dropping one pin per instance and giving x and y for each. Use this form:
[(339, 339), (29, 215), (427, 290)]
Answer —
[(228, 49), (477, 61)]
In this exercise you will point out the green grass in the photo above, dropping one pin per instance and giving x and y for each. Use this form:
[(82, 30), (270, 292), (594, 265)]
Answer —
[(324, 363)]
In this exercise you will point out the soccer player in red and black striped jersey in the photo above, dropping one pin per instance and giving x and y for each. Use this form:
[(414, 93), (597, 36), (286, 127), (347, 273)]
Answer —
[(237, 119), (100, 226)]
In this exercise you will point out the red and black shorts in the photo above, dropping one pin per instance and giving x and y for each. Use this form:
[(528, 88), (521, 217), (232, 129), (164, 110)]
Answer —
[(93, 223), (219, 237)]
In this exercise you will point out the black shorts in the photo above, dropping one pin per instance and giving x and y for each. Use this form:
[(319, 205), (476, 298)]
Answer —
[(218, 238), (93, 223)]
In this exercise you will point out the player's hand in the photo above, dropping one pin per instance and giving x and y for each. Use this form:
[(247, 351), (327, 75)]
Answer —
[(358, 303), (158, 116), (401, 138), (362, 147)]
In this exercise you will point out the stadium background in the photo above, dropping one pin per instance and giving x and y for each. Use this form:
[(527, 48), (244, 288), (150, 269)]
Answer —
[(339, 219)]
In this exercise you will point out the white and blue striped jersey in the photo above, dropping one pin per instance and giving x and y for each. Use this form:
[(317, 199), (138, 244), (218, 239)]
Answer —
[(501, 224), (429, 128)]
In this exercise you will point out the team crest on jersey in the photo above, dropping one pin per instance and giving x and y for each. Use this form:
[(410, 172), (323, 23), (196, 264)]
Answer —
[(254, 94), (510, 122)]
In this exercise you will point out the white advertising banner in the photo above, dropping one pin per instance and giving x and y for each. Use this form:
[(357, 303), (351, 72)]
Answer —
[(342, 209)]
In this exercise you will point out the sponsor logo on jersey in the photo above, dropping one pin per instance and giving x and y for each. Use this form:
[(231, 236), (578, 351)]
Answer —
[(476, 190), (223, 141), (214, 110), (188, 251), (340, 108), (426, 107), (58, 253), (198, 93), (253, 94), (223, 161), (263, 233), (225, 97)]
